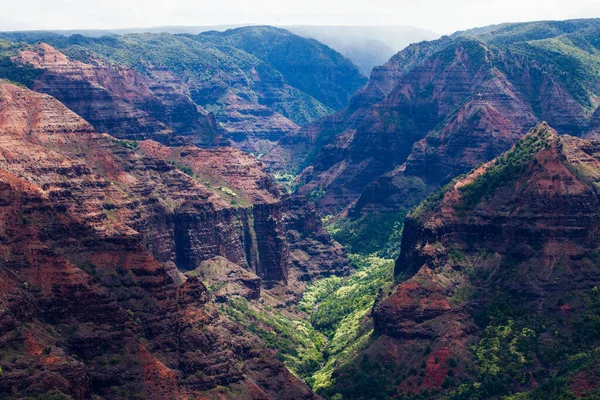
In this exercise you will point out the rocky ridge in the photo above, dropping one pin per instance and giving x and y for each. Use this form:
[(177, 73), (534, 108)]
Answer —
[(255, 98), (440, 108), (112, 222), (497, 277)]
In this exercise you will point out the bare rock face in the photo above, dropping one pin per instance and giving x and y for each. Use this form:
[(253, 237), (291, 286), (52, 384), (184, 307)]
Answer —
[(121, 101), (247, 87), (299, 149), (282, 235), (438, 109), (313, 253), (501, 249), (491, 116), (96, 234), (103, 318)]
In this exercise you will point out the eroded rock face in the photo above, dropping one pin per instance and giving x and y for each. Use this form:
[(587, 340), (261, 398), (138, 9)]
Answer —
[(504, 246), (93, 228), (227, 279), (299, 149), (313, 253), (437, 110), (281, 235), (103, 318), (261, 83), (121, 101), (491, 116)]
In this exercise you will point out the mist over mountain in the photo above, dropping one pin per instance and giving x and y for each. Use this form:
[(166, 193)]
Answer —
[(366, 46)]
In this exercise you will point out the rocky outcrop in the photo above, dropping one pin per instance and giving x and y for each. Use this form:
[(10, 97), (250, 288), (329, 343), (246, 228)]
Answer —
[(86, 315), (167, 87), (121, 101), (313, 253), (226, 280), (440, 108), (495, 253), (97, 232), (282, 234)]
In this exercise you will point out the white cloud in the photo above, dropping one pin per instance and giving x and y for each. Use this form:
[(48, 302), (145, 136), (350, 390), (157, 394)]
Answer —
[(443, 16)]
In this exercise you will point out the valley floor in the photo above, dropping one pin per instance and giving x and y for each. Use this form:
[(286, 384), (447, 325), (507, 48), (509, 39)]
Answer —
[(326, 327)]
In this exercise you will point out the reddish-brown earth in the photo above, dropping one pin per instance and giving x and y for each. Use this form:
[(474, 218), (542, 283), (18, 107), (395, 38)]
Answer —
[(522, 251), (434, 111), (96, 232), (248, 86), (121, 101)]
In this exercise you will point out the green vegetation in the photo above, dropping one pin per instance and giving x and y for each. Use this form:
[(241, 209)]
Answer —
[(128, 144), (14, 72), (227, 191), (565, 51), (356, 294), (372, 233), (203, 61), (297, 59), (505, 169), (286, 180), (316, 194), (331, 323), (558, 387), (298, 344), (342, 315), (517, 346)]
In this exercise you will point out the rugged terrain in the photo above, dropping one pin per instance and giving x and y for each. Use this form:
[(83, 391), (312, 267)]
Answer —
[(97, 235), (367, 46), (438, 109), (254, 80), (498, 283), (144, 257)]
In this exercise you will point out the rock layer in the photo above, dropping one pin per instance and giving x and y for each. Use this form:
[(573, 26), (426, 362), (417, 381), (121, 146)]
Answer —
[(440, 108), (96, 231), (121, 101), (497, 252)]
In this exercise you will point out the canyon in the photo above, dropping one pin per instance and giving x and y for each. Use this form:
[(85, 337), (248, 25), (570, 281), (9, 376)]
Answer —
[(437, 109), (207, 89), (96, 243), (241, 214)]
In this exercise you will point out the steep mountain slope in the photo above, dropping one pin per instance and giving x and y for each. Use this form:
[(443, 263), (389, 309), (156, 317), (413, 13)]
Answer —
[(252, 100), (440, 108), (299, 149), (305, 64), (120, 100), (498, 283), (97, 233)]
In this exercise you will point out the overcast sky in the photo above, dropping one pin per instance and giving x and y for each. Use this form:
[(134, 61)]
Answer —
[(442, 16)]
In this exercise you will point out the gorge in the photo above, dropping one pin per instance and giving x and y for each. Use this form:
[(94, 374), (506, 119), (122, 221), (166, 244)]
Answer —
[(241, 214)]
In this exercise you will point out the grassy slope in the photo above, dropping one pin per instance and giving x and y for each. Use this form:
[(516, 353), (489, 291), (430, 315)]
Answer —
[(201, 60), (329, 325), (19, 74)]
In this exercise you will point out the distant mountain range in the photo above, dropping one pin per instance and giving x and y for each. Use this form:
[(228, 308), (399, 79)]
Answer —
[(366, 46)]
